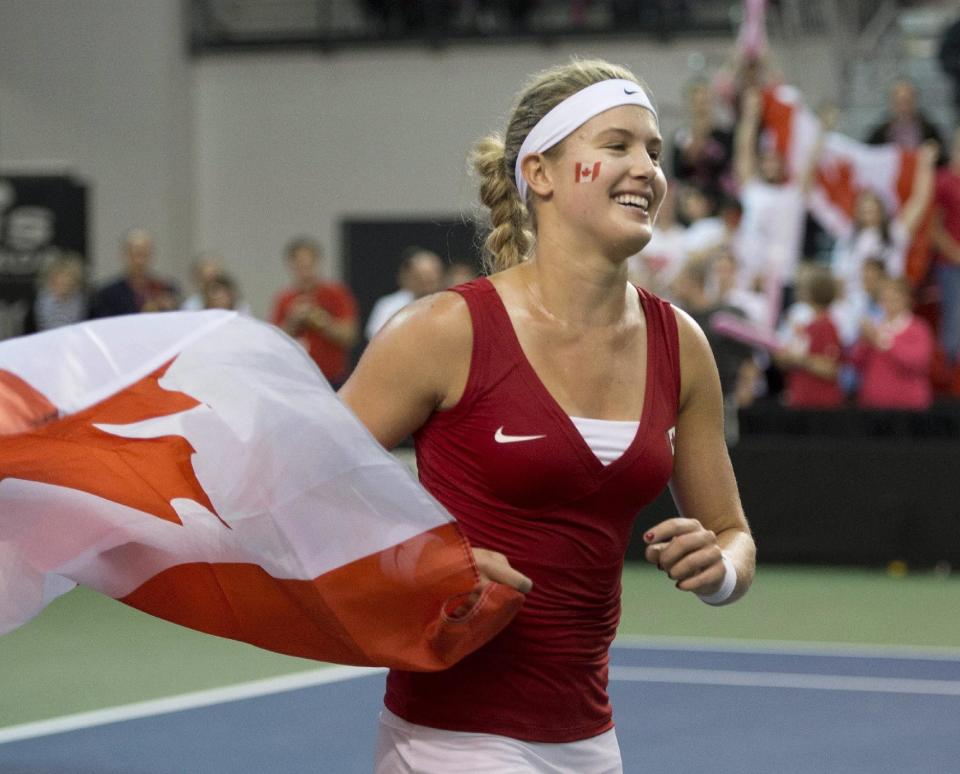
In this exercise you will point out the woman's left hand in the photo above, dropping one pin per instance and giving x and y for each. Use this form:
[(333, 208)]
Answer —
[(688, 553)]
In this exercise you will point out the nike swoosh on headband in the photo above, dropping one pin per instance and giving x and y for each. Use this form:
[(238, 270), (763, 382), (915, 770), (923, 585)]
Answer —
[(501, 437)]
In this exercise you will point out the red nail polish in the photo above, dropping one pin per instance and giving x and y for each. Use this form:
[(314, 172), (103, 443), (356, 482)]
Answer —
[(648, 537)]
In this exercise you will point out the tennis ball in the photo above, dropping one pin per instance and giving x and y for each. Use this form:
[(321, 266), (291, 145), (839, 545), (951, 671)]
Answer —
[(897, 568)]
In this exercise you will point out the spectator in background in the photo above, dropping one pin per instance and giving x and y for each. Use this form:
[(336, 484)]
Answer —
[(850, 310), (321, 315), (893, 357), (205, 267), (220, 292), (137, 289), (812, 357), (946, 240), (770, 237), (62, 298), (419, 275), (704, 230), (873, 234), (905, 124), (726, 288), (735, 364), (208, 267), (703, 150), (657, 265)]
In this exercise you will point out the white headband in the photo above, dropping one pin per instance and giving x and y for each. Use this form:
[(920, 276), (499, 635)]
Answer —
[(573, 113)]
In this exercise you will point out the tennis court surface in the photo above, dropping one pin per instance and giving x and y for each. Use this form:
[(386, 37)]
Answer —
[(678, 709), (138, 696)]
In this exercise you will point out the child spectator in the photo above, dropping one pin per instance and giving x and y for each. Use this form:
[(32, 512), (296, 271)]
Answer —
[(894, 356), (812, 358), (874, 234), (62, 299), (220, 292)]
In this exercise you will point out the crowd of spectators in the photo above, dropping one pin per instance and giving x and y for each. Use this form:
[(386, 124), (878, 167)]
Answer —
[(320, 314), (835, 325), (842, 324)]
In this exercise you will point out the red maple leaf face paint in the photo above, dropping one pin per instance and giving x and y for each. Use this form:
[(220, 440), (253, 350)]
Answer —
[(586, 173)]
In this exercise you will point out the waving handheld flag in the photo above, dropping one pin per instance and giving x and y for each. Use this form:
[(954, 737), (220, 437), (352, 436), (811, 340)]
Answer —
[(197, 466)]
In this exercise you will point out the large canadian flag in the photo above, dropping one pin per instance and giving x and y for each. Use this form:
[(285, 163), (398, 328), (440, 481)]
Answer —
[(198, 467), (845, 168)]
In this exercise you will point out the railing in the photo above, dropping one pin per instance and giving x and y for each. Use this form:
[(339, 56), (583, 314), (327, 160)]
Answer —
[(229, 25)]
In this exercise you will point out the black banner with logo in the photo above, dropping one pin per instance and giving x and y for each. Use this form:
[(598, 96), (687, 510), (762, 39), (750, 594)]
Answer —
[(40, 216)]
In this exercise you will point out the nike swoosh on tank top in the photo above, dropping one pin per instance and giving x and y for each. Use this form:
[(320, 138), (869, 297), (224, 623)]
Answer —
[(559, 515)]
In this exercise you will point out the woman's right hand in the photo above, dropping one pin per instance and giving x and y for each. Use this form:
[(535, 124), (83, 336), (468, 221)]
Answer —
[(493, 566)]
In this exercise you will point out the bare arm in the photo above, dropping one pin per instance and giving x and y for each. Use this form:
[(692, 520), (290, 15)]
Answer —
[(948, 247), (922, 189), (828, 121), (810, 170), (688, 548), (745, 138), (395, 387), (824, 366)]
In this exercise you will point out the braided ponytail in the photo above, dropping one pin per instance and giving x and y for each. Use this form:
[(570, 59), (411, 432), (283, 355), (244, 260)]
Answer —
[(510, 237)]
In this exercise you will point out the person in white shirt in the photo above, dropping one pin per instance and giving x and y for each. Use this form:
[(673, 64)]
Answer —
[(420, 274), (208, 267), (769, 239), (874, 234)]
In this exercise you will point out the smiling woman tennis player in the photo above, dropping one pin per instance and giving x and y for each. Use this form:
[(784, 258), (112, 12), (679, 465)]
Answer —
[(549, 403)]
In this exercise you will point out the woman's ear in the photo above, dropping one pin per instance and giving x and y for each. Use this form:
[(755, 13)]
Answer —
[(538, 174)]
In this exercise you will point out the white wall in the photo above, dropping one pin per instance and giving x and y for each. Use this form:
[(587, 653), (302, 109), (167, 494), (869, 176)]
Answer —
[(238, 153), (102, 88)]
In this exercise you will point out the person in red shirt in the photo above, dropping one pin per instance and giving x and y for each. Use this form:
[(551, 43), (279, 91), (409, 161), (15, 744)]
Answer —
[(322, 316), (894, 356), (946, 239), (549, 402), (813, 363)]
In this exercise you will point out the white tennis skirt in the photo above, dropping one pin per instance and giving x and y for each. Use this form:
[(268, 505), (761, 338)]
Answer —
[(407, 748)]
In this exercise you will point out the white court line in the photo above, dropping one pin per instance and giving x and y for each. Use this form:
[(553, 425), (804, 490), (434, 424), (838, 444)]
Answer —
[(184, 701), (787, 647), (786, 680), (292, 682)]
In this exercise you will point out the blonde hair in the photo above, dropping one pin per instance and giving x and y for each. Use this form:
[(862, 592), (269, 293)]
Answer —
[(494, 157)]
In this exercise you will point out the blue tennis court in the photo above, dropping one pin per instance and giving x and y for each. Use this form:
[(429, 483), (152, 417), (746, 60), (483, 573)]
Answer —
[(677, 707)]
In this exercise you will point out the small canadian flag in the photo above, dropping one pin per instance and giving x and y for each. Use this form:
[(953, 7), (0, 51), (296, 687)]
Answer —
[(586, 172)]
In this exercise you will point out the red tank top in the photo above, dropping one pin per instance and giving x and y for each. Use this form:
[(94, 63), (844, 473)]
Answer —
[(512, 468)]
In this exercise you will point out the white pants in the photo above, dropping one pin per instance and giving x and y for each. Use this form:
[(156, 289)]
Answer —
[(407, 748)]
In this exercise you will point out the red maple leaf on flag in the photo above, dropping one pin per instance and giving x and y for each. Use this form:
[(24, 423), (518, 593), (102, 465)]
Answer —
[(73, 452)]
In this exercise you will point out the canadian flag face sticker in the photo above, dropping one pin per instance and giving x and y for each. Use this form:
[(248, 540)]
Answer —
[(586, 173)]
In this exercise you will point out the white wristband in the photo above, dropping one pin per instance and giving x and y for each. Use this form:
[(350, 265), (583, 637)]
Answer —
[(722, 594)]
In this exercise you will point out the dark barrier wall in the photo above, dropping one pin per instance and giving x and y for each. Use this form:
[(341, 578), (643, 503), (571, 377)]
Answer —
[(843, 501), (40, 215)]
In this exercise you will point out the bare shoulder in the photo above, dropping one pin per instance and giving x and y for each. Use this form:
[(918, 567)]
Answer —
[(439, 323), (416, 364), (697, 365)]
